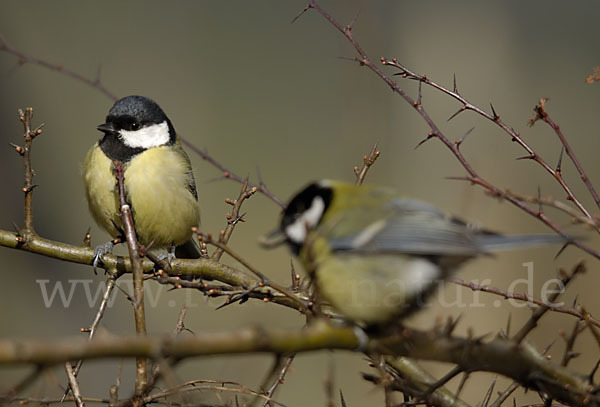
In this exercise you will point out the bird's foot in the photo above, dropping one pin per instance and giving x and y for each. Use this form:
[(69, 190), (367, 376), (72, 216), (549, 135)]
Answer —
[(100, 251)]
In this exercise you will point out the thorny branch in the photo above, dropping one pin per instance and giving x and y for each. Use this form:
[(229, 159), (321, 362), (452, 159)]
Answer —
[(24, 59), (108, 290), (234, 217), (541, 114), (25, 116), (528, 298)]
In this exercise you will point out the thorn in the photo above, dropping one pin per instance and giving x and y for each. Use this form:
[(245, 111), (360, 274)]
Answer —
[(593, 372), (560, 157), (496, 117), (508, 321), (98, 74), (545, 351), (429, 136), (349, 26), (469, 179), (342, 401), (459, 142), (489, 393), (420, 93), (459, 111), (540, 209), (259, 176), (308, 7), (451, 325), (562, 249), (526, 157), (455, 88)]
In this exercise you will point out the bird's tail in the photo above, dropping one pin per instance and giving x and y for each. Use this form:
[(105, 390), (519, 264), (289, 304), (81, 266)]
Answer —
[(494, 242)]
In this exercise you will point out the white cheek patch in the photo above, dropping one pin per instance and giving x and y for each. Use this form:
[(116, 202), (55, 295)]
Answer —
[(146, 137), (296, 231)]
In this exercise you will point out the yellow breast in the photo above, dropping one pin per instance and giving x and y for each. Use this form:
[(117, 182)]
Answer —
[(157, 187)]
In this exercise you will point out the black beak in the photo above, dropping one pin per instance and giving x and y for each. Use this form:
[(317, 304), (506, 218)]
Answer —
[(107, 128)]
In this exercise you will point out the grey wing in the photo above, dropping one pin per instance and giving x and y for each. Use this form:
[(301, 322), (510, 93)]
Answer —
[(407, 226), (191, 184)]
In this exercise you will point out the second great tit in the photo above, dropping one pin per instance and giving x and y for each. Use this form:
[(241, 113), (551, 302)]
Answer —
[(158, 180), (375, 256)]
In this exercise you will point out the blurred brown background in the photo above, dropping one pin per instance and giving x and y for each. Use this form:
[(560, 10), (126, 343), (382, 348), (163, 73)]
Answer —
[(258, 92)]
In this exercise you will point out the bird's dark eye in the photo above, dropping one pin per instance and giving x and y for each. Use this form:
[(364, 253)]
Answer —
[(135, 126)]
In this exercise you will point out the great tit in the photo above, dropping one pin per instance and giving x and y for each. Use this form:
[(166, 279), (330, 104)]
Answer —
[(158, 180), (375, 256)]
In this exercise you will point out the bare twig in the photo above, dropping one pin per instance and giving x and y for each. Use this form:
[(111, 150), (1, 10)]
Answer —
[(531, 323), (24, 59), (138, 276), (110, 285), (368, 161), (25, 116), (541, 114), (279, 380), (495, 118), (264, 280), (570, 342), (234, 217), (527, 298), (74, 385), (227, 174)]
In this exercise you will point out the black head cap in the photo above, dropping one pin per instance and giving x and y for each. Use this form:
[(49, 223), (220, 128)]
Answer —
[(139, 107), (299, 204)]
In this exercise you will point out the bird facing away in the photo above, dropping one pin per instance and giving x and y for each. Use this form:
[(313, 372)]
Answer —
[(375, 256), (158, 179)]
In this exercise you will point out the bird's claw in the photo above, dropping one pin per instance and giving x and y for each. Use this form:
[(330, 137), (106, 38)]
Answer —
[(100, 251)]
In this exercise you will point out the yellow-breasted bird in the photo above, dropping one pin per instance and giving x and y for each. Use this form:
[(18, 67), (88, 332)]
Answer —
[(375, 256), (158, 179)]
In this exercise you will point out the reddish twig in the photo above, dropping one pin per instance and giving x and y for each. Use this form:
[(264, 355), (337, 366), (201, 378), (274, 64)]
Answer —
[(527, 298), (539, 312), (495, 118), (541, 114), (279, 380), (138, 275), (260, 187), (25, 59)]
